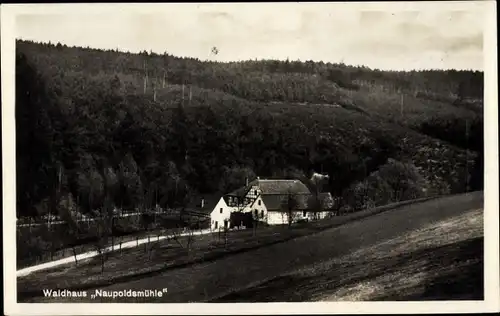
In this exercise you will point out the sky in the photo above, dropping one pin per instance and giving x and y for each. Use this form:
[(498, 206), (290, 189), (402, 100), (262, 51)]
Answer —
[(416, 36)]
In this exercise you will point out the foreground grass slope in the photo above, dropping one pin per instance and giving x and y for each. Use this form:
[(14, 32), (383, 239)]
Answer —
[(386, 238), (440, 261)]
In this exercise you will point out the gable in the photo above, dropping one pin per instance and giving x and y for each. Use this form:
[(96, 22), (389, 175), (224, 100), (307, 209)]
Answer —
[(256, 202), (219, 204)]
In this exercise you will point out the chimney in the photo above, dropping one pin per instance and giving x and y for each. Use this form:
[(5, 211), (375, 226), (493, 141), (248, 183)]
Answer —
[(202, 203)]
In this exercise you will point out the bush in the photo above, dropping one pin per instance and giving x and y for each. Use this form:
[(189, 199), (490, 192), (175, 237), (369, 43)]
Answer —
[(405, 180), (394, 181)]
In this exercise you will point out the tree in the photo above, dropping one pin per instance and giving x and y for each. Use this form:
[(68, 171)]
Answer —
[(130, 184), (405, 180), (182, 199), (111, 189), (289, 206), (394, 181), (90, 185), (184, 235), (104, 224), (67, 210), (315, 204), (35, 154), (235, 177)]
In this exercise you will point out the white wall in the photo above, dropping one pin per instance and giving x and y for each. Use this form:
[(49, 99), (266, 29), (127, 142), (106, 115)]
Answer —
[(261, 209), (279, 217), (316, 216), (217, 216)]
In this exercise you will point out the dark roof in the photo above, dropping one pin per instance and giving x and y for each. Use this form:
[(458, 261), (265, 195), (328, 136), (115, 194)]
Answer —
[(271, 186), (274, 191), (274, 202), (241, 191), (209, 203)]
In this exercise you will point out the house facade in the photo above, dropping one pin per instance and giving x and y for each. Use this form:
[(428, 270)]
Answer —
[(264, 199), (219, 217)]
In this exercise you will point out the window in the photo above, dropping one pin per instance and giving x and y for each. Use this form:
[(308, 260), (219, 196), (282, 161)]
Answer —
[(259, 202), (304, 214), (221, 210), (256, 213), (216, 224), (261, 214), (255, 192)]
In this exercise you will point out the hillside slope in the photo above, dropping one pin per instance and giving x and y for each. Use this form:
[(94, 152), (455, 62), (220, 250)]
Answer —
[(141, 129)]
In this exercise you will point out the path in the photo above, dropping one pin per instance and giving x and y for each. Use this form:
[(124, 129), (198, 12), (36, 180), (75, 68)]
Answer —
[(91, 254), (121, 215)]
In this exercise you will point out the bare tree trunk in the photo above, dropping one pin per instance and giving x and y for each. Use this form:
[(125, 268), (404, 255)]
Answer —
[(145, 77), (102, 262), (190, 95), (183, 95), (74, 254)]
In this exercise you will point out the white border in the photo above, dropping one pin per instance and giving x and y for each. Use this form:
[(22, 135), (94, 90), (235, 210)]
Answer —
[(492, 281)]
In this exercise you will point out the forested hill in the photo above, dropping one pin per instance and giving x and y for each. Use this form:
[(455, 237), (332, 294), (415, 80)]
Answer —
[(138, 129)]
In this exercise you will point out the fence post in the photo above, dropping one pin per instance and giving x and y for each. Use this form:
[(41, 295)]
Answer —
[(137, 241)]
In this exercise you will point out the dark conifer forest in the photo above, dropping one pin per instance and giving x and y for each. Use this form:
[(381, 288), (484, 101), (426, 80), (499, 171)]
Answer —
[(146, 129)]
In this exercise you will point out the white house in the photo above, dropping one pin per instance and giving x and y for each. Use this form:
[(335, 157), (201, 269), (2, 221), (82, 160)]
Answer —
[(221, 214), (219, 217), (264, 198)]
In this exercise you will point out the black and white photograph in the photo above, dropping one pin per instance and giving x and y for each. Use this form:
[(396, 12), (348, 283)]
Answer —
[(298, 153)]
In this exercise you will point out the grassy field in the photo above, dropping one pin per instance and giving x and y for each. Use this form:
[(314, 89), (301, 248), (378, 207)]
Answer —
[(439, 261), (212, 273)]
